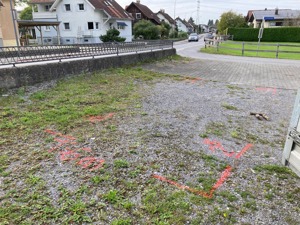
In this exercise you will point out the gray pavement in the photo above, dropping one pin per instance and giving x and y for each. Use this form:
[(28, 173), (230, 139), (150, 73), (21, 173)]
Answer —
[(259, 72)]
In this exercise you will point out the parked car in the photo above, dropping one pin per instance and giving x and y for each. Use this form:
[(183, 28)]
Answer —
[(193, 37), (209, 36)]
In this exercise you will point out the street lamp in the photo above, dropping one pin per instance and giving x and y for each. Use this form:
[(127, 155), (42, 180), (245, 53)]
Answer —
[(13, 16)]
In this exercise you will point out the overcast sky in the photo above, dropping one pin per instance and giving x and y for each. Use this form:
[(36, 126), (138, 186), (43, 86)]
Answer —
[(212, 9)]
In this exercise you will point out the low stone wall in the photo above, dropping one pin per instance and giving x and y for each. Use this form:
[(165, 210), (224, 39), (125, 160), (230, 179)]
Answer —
[(32, 74)]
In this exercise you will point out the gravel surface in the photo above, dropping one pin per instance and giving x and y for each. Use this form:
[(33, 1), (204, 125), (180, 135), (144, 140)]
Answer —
[(176, 114), (187, 130)]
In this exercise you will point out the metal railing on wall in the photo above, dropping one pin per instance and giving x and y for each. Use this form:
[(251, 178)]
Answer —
[(29, 54)]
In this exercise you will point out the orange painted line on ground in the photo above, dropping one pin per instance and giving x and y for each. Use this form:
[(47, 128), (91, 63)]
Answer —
[(68, 156), (94, 119), (213, 145), (266, 89), (246, 148), (225, 174)]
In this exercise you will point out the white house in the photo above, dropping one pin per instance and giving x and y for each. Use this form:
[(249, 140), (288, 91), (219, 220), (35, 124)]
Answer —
[(273, 18), (181, 25), (163, 16), (82, 21)]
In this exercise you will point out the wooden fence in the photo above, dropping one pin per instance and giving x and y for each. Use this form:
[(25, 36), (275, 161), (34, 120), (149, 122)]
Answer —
[(242, 46)]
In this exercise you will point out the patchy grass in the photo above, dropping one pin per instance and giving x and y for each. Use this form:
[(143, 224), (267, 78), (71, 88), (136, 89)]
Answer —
[(39, 186), (229, 107)]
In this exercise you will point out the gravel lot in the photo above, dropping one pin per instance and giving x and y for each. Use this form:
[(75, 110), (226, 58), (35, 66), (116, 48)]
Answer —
[(164, 156), (179, 116)]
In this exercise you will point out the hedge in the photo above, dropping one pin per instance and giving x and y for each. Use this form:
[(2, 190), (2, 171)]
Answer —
[(280, 34)]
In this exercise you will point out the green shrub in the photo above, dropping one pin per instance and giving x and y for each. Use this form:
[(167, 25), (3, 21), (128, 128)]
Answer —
[(280, 34), (111, 36)]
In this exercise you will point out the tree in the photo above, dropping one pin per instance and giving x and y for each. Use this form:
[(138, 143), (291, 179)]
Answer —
[(146, 29), (26, 14), (111, 36), (210, 22), (231, 19), (164, 29), (217, 22)]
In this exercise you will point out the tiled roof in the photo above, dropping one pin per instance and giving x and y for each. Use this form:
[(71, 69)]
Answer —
[(167, 16), (146, 11), (41, 1), (111, 7)]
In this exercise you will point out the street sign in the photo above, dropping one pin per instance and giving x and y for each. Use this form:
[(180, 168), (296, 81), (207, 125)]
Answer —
[(261, 31), (268, 18)]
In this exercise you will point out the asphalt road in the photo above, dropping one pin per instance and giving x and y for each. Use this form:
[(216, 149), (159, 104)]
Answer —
[(191, 49)]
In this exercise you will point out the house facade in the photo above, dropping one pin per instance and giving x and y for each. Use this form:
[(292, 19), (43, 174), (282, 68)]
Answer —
[(273, 18), (139, 12), (163, 16), (82, 21), (7, 34), (184, 26)]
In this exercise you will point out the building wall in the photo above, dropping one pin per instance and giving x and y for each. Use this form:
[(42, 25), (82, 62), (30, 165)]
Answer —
[(181, 26), (19, 76), (79, 31), (6, 25)]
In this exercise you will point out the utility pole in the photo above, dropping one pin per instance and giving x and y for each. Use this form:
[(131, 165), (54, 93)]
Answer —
[(198, 15)]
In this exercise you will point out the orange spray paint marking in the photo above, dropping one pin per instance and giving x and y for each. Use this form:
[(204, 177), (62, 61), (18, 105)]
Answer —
[(88, 161), (192, 79), (94, 119), (225, 174), (213, 145), (68, 151), (246, 148), (267, 90), (68, 156)]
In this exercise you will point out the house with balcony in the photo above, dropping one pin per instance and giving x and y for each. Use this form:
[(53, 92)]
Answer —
[(165, 17), (139, 12), (8, 37), (82, 21), (273, 18)]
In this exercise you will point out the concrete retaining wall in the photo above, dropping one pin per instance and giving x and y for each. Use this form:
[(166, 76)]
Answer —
[(29, 75)]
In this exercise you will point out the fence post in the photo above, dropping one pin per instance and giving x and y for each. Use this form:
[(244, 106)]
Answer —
[(217, 45), (277, 51), (243, 48), (117, 48)]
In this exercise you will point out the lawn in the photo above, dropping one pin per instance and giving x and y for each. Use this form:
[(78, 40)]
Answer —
[(235, 48)]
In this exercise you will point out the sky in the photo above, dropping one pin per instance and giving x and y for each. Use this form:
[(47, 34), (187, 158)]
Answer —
[(212, 9)]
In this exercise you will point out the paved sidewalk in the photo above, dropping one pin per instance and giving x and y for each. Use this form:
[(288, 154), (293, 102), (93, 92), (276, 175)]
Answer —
[(259, 72), (255, 74)]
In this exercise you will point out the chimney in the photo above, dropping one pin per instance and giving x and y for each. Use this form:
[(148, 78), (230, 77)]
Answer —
[(266, 9), (162, 10), (276, 11), (138, 1)]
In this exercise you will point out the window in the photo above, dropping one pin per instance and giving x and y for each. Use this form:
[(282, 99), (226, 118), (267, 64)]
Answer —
[(81, 7), (67, 26), (47, 8), (67, 7), (111, 26), (120, 27), (47, 28), (97, 25), (279, 24), (138, 16), (90, 25)]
